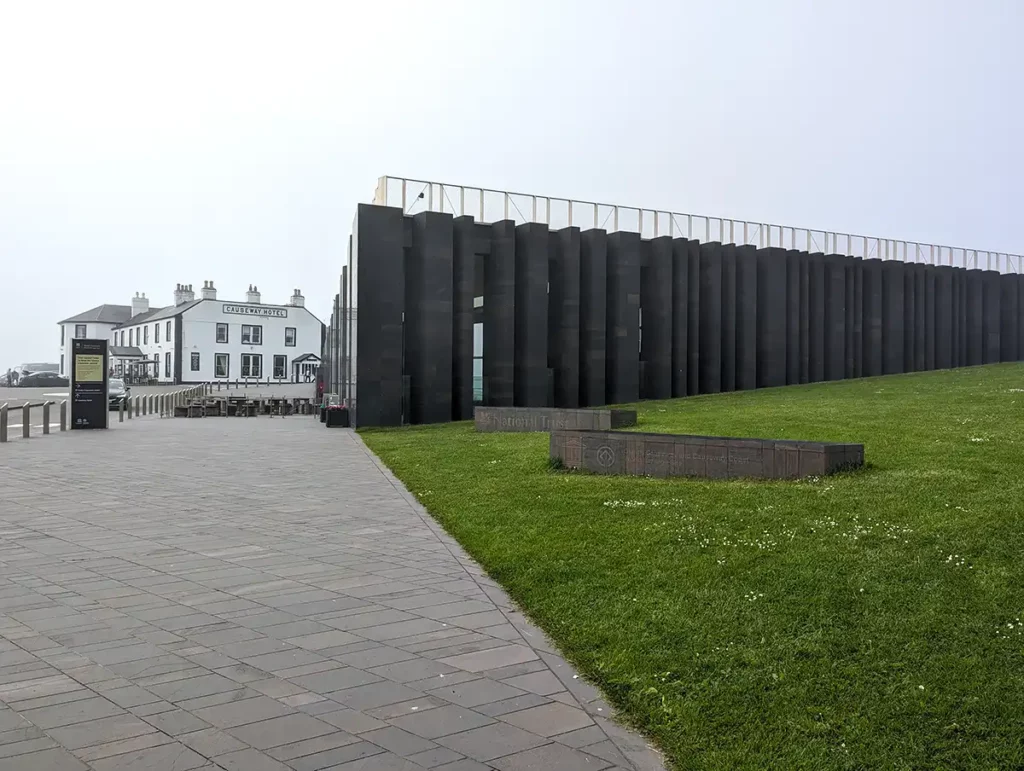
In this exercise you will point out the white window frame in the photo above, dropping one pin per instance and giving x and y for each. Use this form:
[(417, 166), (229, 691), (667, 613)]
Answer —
[(252, 334), (295, 336), (227, 335), (226, 358), (85, 331), (248, 359), (283, 358)]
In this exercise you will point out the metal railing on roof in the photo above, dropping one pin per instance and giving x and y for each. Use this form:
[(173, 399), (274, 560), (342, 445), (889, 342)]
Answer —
[(487, 205)]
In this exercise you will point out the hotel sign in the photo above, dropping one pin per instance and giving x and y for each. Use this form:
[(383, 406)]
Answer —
[(256, 310)]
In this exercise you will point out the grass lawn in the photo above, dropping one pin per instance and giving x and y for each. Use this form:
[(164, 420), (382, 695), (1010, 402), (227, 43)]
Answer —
[(863, 621)]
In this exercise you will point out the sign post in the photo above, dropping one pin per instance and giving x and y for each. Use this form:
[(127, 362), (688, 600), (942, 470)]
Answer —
[(89, 375)]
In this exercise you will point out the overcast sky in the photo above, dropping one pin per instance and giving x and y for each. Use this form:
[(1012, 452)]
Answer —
[(146, 144)]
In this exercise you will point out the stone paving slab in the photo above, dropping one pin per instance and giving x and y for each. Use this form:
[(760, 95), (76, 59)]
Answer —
[(263, 594)]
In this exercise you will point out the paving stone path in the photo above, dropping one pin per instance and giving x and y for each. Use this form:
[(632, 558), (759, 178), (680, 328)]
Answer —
[(260, 595)]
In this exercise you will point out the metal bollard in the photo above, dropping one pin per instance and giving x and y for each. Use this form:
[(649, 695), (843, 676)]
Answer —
[(137, 406), (120, 410), (64, 415), (46, 417), (3, 423), (26, 421), (144, 400)]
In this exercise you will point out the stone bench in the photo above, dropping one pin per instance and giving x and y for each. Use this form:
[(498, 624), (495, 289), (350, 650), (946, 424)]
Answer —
[(505, 419), (712, 457)]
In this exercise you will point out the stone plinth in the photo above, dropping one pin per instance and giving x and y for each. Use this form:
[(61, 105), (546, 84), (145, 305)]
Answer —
[(506, 419), (712, 457)]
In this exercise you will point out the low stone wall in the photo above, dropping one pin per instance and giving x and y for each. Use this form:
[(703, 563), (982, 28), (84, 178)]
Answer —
[(490, 419), (713, 457)]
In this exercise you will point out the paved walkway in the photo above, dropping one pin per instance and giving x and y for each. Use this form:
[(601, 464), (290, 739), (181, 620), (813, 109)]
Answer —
[(260, 594)]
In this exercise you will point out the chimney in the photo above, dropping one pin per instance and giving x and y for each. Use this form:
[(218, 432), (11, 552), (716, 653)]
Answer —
[(253, 295), (297, 300), (140, 304), (183, 294), (209, 292)]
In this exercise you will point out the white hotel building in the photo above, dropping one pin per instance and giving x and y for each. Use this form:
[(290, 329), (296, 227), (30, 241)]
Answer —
[(204, 339)]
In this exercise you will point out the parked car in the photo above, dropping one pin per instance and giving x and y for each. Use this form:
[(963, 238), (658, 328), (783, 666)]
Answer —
[(42, 380), (117, 392)]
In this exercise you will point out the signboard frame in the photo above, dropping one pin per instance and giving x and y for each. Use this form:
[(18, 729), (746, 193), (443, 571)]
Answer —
[(88, 384)]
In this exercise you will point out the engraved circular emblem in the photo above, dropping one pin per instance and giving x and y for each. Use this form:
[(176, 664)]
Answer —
[(605, 456)]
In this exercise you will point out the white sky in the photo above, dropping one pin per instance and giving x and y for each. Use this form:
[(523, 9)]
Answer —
[(146, 144)]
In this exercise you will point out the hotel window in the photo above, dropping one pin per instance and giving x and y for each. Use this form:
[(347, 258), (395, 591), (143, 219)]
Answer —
[(167, 332), (289, 336), (122, 338), (252, 365), (222, 333), (145, 335), (221, 366), (280, 363), (252, 334), (167, 364), (156, 333), (80, 331), (62, 337), (195, 362)]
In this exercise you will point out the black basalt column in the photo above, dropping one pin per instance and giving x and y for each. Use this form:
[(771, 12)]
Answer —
[(656, 307), (623, 328), (771, 317), (855, 318), (923, 302), (728, 257), (793, 306), (1020, 317), (892, 317), (564, 315), (816, 294), (909, 318), (464, 280), (531, 293), (710, 377), (975, 318), (680, 315), (500, 316), (805, 317), (1009, 309), (873, 298), (593, 316), (428, 318), (963, 319), (746, 318), (380, 302), (944, 317), (957, 320), (835, 317), (693, 331), (991, 317)]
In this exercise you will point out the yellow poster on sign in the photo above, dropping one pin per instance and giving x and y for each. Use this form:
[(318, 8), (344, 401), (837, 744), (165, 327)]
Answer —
[(88, 368)]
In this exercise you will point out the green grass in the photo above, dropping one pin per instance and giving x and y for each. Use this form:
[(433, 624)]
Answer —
[(861, 621)]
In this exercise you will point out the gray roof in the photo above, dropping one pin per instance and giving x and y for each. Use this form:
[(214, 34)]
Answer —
[(102, 314), (142, 317), (306, 357), (171, 310), (126, 351)]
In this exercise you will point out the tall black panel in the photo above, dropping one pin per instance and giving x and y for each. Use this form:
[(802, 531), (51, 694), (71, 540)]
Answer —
[(593, 316), (500, 316), (380, 303), (975, 318), (710, 318), (805, 317), (793, 305), (464, 280), (771, 317), (693, 326), (909, 318), (958, 318), (1009, 308), (656, 310), (428, 318), (531, 293), (817, 274), (872, 325), (892, 317), (728, 257), (680, 315), (1020, 317), (564, 315), (746, 317), (991, 317), (835, 316), (922, 337), (622, 370), (944, 316)]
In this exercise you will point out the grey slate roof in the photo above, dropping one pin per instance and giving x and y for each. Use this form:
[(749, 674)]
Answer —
[(102, 314), (126, 351)]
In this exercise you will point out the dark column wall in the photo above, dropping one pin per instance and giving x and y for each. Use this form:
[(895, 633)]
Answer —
[(656, 309), (564, 315), (622, 359), (429, 285), (586, 319), (531, 315)]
